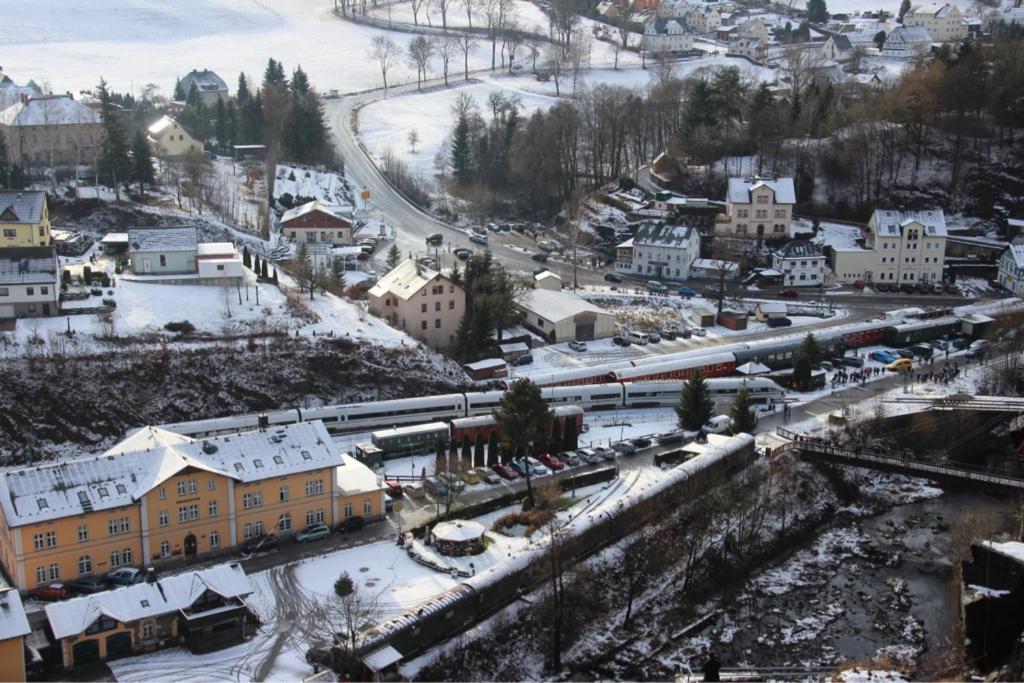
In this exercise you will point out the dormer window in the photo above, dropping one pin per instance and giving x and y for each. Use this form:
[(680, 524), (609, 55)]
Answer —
[(306, 455), (238, 467), (121, 489), (144, 603), (104, 493), (258, 463), (41, 502), (278, 460)]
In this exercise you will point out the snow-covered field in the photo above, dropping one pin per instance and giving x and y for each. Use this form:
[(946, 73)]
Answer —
[(70, 46)]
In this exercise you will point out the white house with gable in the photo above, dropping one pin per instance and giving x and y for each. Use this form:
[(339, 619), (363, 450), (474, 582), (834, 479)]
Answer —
[(801, 263), (757, 207), (659, 251), (907, 41), (943, 21), (667, 35), (1011, 267)]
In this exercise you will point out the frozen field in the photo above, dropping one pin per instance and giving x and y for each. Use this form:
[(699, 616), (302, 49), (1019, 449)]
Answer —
[(69, 46)]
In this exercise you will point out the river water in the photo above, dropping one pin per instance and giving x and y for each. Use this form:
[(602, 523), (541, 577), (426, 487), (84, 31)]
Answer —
[(881, 589)]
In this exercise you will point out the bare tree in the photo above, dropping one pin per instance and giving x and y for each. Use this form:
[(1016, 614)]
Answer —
[(414, 138), (466, 45), (446, 47), (622, 29), (723, 264), (511, 41), (448, 469), (386, 52), (798, 66), (443, 6), (197, 171), (416, 6), (421, 49), (469, 5), (578, 54)]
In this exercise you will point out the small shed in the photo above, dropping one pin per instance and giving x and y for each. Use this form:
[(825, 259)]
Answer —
[(115, 243), (752, 368), (513, 351), (548, 280), (458, 537), (769, 309), (733, 320), (976, 324), (704, 317), (489, 368), (249, 151)]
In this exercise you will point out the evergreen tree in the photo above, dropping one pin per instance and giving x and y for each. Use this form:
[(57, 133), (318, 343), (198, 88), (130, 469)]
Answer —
[(570, 441), (453, 451), (492, 449), (179, 90), (274, 74), (810, 350), (695, 406), (263, 271), (817, 11), (394, 258), (456, 275), (743, 417), (142, 162), (5, 165), (524, 418), (230, 126), (247, 257), (555, 440), (801, 369), (273, 277), (338, 272), (242, 91), (441, 462), (192, 100), (256, 263), (113, 163), (220, 125), (478, 451), (300, 83), (462, 161), (904, 8)]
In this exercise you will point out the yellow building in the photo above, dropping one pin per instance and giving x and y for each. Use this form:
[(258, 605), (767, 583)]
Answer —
[(13, 629), (159, 496), (24, 219), (168, 139)]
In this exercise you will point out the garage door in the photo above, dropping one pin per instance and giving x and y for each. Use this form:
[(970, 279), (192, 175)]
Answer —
[(585, 324), (6, 311), (119, 645), (86, 652)]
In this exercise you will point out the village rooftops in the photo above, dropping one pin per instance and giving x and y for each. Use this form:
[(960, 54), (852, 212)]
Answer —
[(661, 235), (405, 280), (799, 249), (145, 600), (148, 457), (890, 223), (48, 110), (13, 622), (181, 238), (934, 9), (215, 249), (337, 210), (162, 125), (911, 34), (740, 189), (28, 265), (22, 206)]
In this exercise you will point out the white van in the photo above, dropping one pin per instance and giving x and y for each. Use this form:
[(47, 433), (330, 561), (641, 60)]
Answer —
[(638, 338), (719, 424)]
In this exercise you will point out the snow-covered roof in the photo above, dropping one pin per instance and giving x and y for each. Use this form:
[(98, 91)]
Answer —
[(205, 81), (1016, 251), (13, 622), (424, 428), (48, 110), (714, 264), (890, 223), (1011, 549), (381, 658), (458, 531), (181, 238), (339, 211), (753, 368), (628, 244), (556, 305), (547, 275), (162, 125), (515, 347), (28, 265), (144, 600), (405, 281), (912, 35), (353, 477), (215, 249), (11, 92), (772, 307), (485, 364), (115, 238), (148, 457), (799, 249), (661, 235), (933, 9), (22, 206), (740, 189)]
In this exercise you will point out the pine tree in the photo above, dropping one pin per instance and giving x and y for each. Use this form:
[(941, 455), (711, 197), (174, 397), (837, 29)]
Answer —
[(810, 350), (478, 451), (904, 8), (242, 91), (142, 162), (570, 441), (338, 272), (5, 165), (394, 258), (555, 440), (801, 369), (274, 277), (113, 162), (441, 459), (247, 257), (743, 418), (492, 449), (300, 82), (524, 418), (220, 125), (274, 73), (256, 264), (456, 275), (462, 160), (263, 271), (695, 406), (467, 453), (179, 90), (817, 11)]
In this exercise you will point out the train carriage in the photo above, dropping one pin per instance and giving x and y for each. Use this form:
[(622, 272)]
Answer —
[(714, 365)]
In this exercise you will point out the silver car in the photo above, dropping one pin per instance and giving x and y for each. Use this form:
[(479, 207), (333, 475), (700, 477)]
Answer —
[(589, 455)]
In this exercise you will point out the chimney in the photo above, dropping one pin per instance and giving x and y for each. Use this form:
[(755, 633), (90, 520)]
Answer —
[(150, 575)]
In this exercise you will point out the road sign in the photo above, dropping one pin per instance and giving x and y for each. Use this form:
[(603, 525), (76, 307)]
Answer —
[(365, 195)]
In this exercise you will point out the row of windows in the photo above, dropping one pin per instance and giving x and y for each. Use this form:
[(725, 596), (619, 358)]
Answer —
[(437, 324), (165, 546), (741, 228), (438, 289), (29, 291), (437, 306)]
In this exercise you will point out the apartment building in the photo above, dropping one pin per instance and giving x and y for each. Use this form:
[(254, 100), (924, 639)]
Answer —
[(420, 301), (659, 251), (899, 247), (943, 21), (801, 263), (51, 131), (757, 207), (663, 36)]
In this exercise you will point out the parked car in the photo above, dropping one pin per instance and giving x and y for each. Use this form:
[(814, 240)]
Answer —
[(923, 350), (684, 333), (546, 245), (50, 592), (539, 258), (655, 287), (940, 344), (87, 585), (570, 459), (505, 471), (313, 532), (978, 344), (653, 337), (952, 289), (435, 487), (354, 523), (638, 338), (937, 288), (125, 576), (849, 361), (551, 462), (523, 360), (577, 345), (779, 322), (789, 293), (719, 424), (260, 544), (589, 456), (435, 238), (470, 477), (612, 277), (604, 452), (858, 284), (478, 239), (488, 476), (699, 332), (620, 341), (669, 438), (667, 333), (463, 254), (961, 342), (900, 365), (905, 353), (641, 442), (624, 447), (536, 468), (687, 292), (907, 288), (883, 356), (415, 489)]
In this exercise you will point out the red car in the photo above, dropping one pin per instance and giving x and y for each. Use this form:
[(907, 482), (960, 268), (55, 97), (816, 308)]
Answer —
[(394, 488), (789, 293), (551, 462), (50, 592), (504, 471)]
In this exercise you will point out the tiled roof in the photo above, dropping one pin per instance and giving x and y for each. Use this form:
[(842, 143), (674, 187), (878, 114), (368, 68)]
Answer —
[(28, 265), (909, 35), (205, 80), (740, 188), (22, 206), (163, 239)]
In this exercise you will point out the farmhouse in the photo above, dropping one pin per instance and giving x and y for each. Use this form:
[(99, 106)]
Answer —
[(318, 221), (907, 41), (51, 131)]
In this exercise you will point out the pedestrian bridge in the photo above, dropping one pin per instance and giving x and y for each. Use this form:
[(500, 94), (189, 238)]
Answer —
[(995, 404), (998, 481)]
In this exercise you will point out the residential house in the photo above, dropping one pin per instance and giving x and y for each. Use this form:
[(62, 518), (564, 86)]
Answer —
[(547, 280), (51, 131), (667, 35), (757, 207), (562, 316), (899, 247), (837, 48), (749, 47), (1011, 267), (726, 33), (169, 139), (943, 21), (422, 302), (714, 269), (218, 260), (24, 219), (318, 221), (205, 610), (754, 28), (767, 310), (159, 497), (29, 282), (801, 263), (163, 251), (658, 251), (13, 629), (209, 85), (907, 41), (704, 18), (673, 9), (12, 93)]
